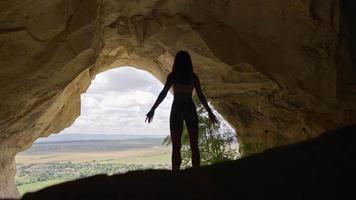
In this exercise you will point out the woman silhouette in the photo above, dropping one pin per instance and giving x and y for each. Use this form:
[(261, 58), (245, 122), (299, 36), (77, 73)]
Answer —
[(184, 80)]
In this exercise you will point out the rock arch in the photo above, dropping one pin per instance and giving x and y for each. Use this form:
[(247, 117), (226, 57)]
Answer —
[(278, 71)]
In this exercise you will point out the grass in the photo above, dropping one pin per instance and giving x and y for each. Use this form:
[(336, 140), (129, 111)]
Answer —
[(133, 155), (34, 166), (160, 158), (31, 187)]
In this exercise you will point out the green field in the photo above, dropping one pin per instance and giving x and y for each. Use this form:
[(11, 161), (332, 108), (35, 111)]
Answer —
[(31, 187), (41, 167), (32, 177), (155, 159)]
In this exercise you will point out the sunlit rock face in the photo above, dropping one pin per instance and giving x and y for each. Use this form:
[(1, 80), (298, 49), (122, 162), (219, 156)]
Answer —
[(45, 53), (279, 71)]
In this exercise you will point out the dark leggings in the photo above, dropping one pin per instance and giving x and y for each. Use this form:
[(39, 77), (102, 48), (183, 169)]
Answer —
[(184, 111)]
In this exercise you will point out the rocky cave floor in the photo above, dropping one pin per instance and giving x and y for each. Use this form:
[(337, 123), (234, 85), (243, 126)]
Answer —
[(321, 168)]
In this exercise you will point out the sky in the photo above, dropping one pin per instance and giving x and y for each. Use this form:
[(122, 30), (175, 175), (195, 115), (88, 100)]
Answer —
[(117, 101)]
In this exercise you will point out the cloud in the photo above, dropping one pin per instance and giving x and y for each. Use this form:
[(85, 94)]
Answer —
[(117, 101), (125, 79)]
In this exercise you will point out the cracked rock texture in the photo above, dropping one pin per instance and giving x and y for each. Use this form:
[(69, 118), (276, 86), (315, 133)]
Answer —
[(279, 71)]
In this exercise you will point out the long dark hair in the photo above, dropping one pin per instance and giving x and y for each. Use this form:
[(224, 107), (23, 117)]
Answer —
[(182, 68)]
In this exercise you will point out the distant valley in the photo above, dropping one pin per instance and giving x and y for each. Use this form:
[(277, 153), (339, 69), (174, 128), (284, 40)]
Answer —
[(66, 157)]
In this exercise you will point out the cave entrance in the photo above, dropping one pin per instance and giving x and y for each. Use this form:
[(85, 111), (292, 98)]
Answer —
[(109, 136)]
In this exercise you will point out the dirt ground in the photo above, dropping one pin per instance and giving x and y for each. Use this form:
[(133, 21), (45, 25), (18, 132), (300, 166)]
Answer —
[(151, 155)]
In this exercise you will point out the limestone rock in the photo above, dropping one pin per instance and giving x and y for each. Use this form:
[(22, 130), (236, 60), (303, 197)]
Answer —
[(279, 71)]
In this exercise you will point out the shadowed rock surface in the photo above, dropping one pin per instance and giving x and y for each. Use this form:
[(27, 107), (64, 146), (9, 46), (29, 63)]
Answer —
[(322, 168), (279, 71)]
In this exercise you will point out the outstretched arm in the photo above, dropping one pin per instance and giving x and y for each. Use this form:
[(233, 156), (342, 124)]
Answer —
[(160, 98), (163, 93), (202, 99)]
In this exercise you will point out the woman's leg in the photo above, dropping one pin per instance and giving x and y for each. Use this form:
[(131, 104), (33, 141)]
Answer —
[(176, 128), (176, 135), (192, 125), (193, 141)]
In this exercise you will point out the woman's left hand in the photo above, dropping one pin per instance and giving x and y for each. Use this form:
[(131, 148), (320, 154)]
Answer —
[(149, 116), (212, 118)]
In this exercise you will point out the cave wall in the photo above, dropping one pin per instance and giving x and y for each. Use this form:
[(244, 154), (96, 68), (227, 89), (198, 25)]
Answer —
[(45, 51), (279, 71), (348, 29)]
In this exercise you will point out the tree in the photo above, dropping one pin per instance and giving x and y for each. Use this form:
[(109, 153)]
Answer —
[(215, 140)]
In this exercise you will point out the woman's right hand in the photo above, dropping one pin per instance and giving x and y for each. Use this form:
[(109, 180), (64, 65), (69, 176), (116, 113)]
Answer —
[(149, 116)]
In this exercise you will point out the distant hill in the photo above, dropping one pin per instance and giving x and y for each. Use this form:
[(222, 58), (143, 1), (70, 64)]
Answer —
[(88, 137), (70, 143)]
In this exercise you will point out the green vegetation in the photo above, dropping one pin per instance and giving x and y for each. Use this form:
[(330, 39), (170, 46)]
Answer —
[(34, 177), (215, 141), (150, 160), (46, 164), (29, 187)]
